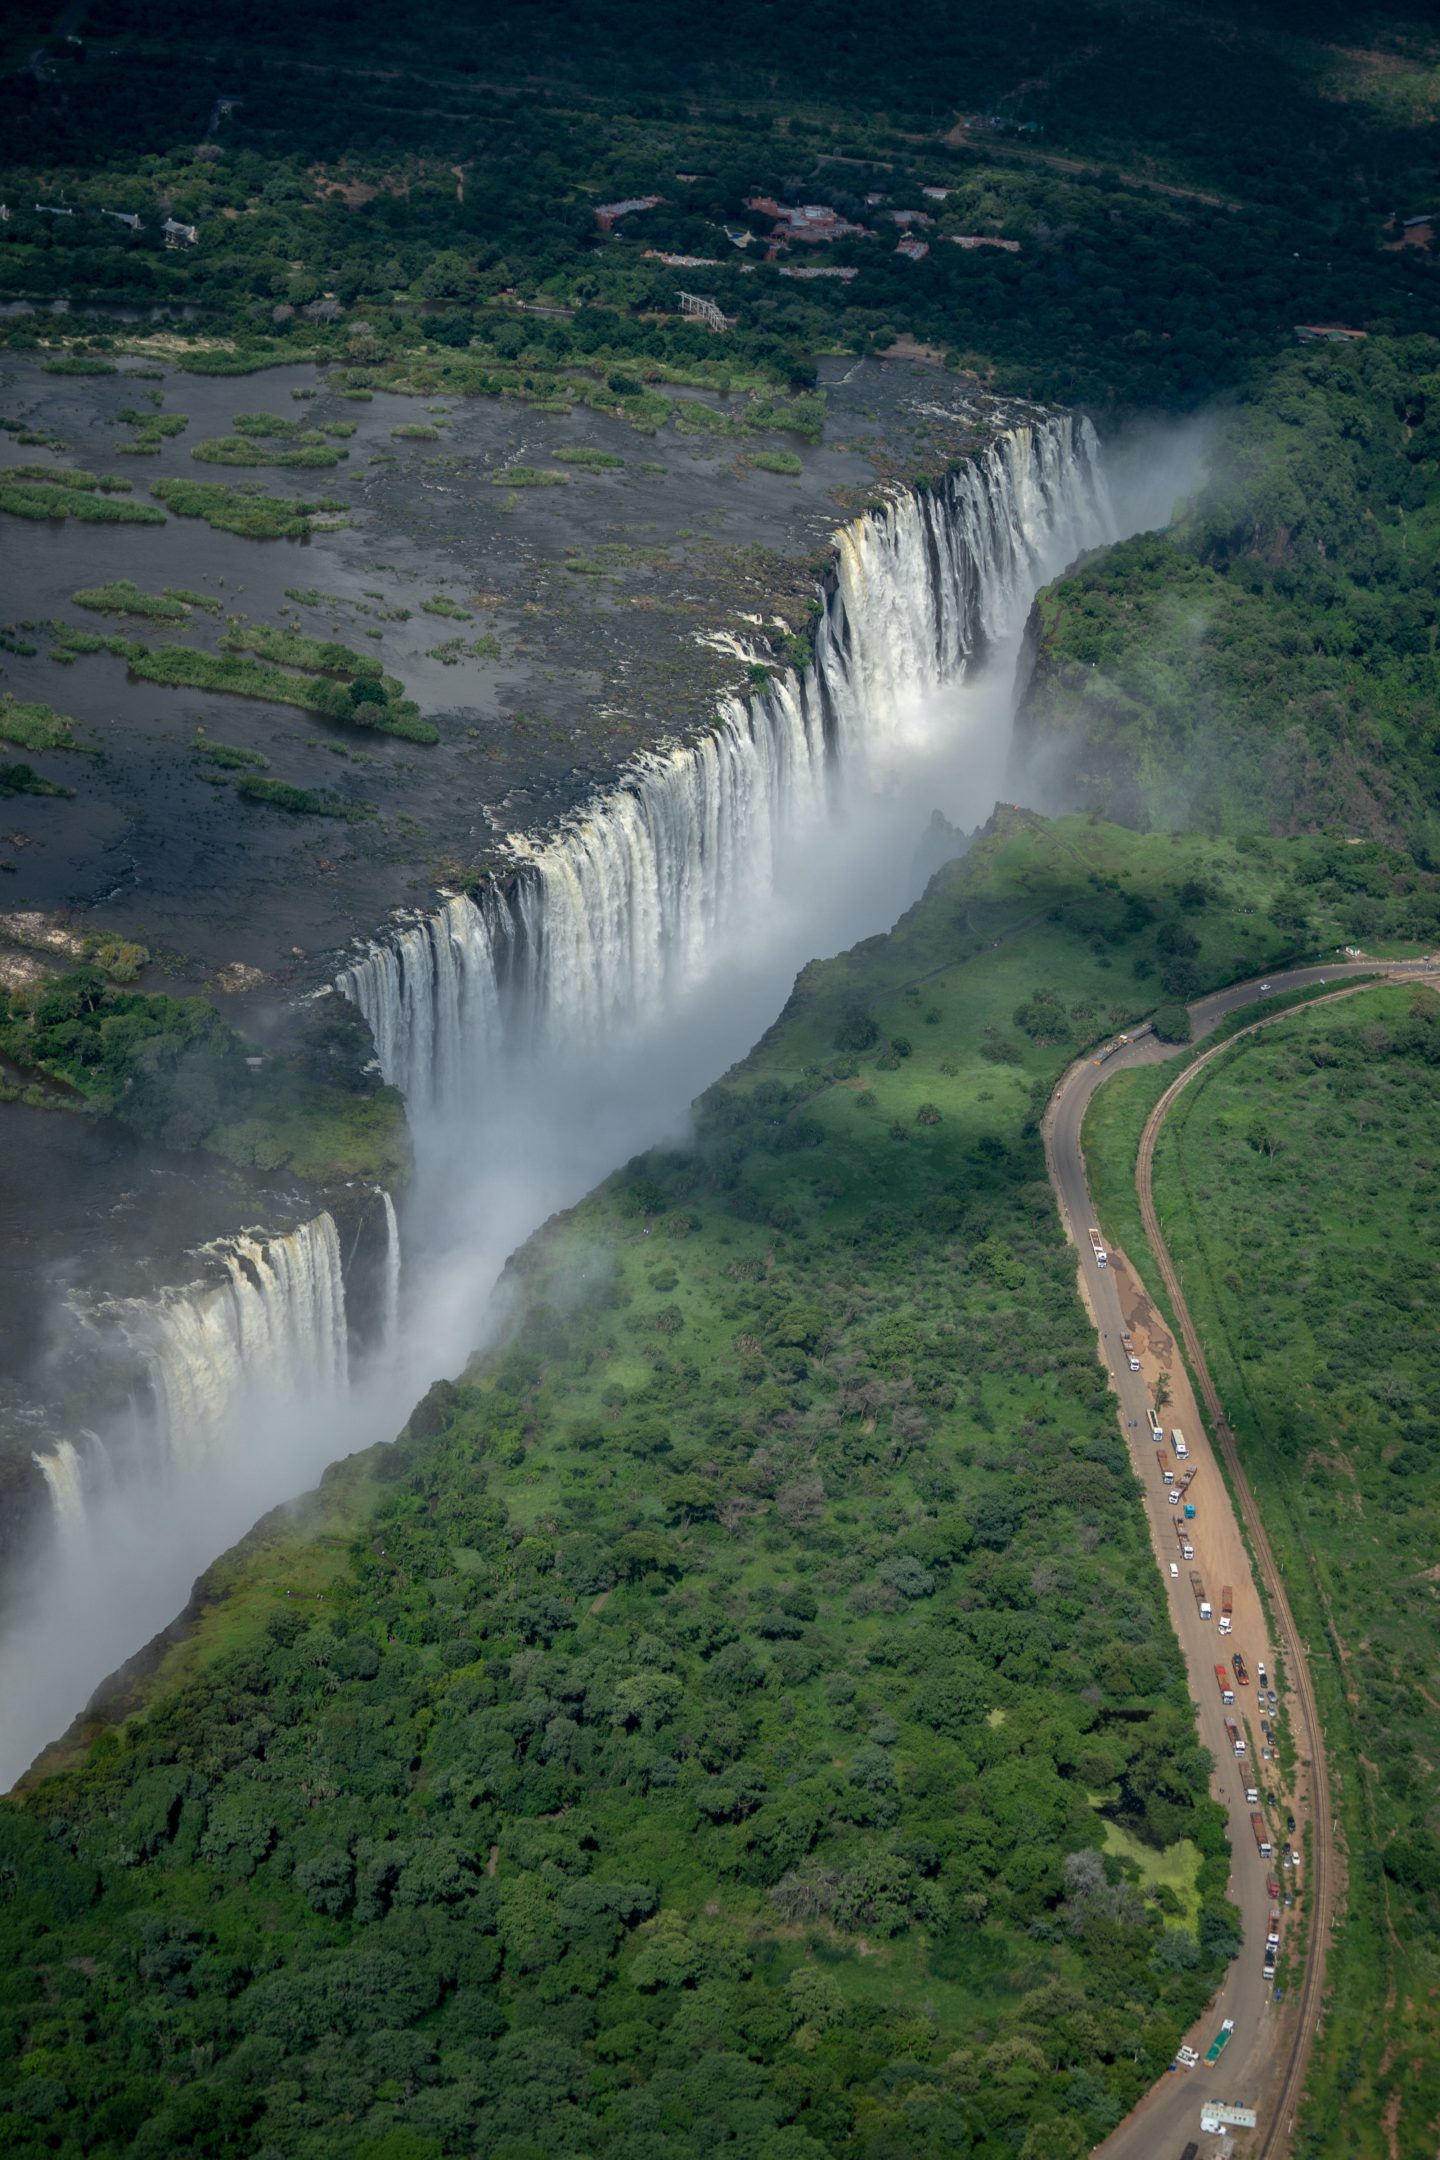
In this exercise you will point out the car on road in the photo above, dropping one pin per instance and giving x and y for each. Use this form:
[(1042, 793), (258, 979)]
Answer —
[(1290, 1824), (1264, 986), (1272, 1698), (1174, 1572)]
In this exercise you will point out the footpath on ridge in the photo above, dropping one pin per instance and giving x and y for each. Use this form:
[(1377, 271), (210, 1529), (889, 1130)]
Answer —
[(1265, 2063)]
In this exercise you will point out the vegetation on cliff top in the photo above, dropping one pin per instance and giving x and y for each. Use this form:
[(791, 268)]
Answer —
[(173, 1070), (1271, 662), (711, 1717)]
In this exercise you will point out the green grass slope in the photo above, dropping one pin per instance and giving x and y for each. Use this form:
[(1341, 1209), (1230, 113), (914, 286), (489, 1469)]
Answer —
[(744, 1703)]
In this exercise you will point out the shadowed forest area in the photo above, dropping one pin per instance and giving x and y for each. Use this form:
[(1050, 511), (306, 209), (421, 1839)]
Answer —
[(1176, 188)]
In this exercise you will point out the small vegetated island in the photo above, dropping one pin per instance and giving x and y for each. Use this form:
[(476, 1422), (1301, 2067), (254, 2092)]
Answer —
[(175, 1072), (703, 1711)]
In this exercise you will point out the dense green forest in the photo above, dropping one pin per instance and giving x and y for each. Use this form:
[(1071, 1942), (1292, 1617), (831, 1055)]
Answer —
[(1271, 661), (1312, 1150), (742, 1708), (1176, 190)]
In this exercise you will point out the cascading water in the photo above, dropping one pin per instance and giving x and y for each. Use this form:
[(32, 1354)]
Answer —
[(390, 1310), (621, 912), (276, 1321), (65, 1478), (543, 1033)]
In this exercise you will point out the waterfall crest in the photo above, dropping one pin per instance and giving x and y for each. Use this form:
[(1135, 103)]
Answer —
[(275, 1321), (620, 910)]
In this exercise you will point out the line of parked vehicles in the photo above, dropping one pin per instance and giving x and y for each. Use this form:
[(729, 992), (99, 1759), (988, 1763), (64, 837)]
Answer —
[(1237, 1675)]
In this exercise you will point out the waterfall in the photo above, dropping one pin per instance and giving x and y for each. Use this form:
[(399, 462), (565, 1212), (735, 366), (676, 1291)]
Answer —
[(607, 919), (390, 1313), (65, 1477), (275, 1323)]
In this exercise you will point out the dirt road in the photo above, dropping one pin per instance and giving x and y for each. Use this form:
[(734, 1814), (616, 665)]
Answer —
[(1264, 2065)]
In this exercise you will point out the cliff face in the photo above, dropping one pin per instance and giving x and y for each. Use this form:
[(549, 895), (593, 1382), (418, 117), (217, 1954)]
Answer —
[(1170, 696)]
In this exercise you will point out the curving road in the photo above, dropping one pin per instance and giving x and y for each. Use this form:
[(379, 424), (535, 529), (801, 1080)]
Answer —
[(1264, 2065)]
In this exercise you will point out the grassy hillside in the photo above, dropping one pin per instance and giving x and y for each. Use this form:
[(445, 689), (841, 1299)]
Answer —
[(1296, 1185), (745, 1698), (1270, 663)]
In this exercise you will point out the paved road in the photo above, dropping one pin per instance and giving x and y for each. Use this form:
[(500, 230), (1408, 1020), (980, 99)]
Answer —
[(1262, 2058)]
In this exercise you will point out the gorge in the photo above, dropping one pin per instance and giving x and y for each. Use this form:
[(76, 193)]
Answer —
[(565, 1016)]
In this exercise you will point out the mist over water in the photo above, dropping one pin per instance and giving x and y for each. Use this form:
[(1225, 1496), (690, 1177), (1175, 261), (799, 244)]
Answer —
[(545, 1037)]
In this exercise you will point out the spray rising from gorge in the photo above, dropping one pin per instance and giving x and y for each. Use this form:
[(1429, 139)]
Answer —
[(629, 907), (545, 1031)]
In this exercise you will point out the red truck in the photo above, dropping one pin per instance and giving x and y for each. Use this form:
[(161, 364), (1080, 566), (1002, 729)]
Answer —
[(1227, 1693)]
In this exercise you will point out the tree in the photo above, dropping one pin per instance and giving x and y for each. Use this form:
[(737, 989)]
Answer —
[(1172, 1022)]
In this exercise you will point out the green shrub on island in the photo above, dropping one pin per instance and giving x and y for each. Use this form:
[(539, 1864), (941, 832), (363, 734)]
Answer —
[(776, 461), (35, 726), (34, 500), (194, 599), (291, 649), (174, 1071), (361, 696), (248, 511), (80, 364), (122, 597), (438, 604), (585, 455), (198, 361), (415, 431), (273, 426), (24, 780), (228, 756), (304, 802), (526, 476), (454, 650), (152, 431), (365, 702), (304, 451), (70, 476)]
